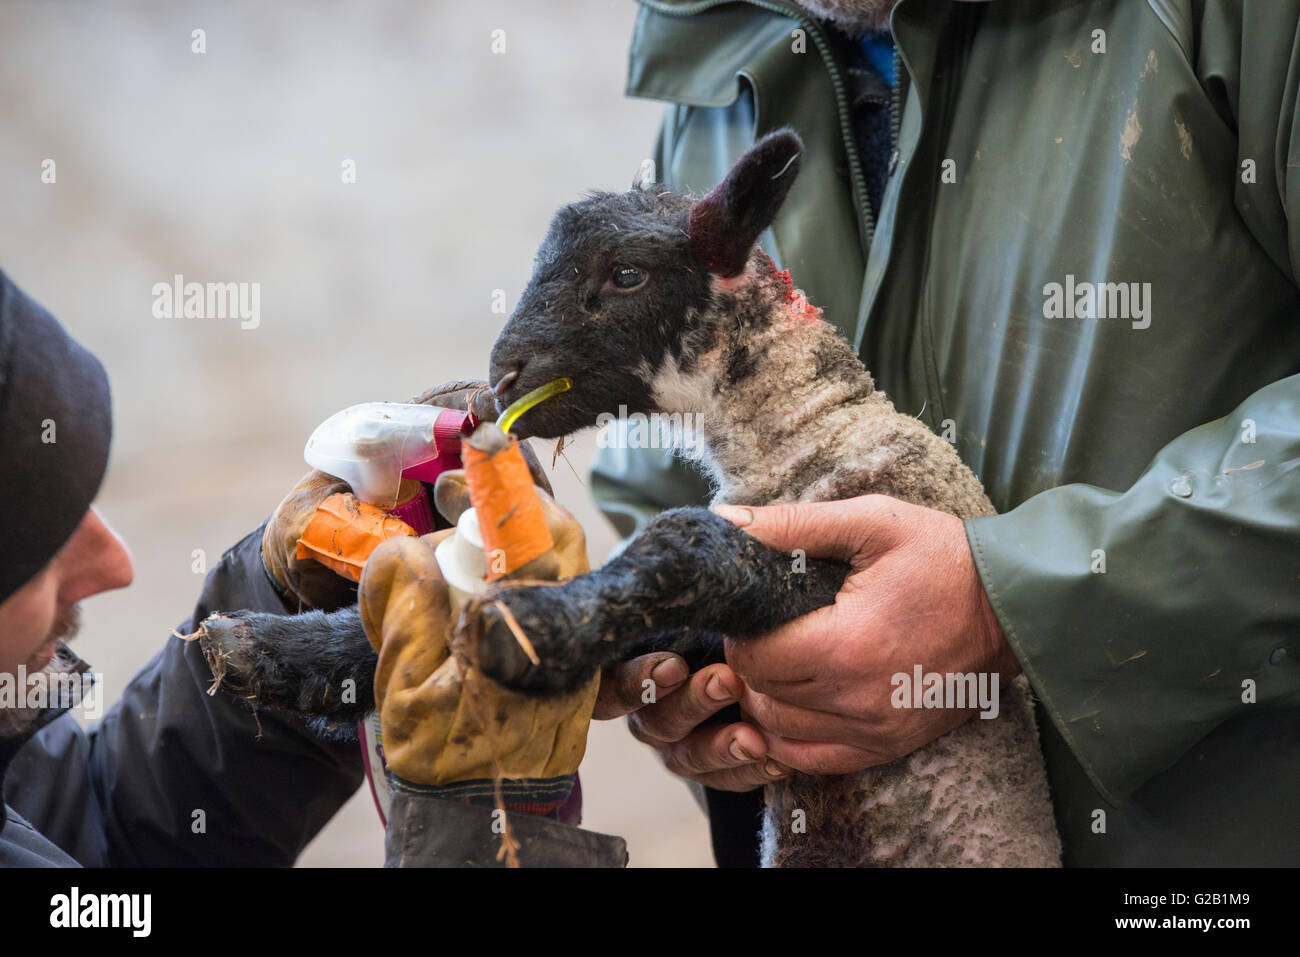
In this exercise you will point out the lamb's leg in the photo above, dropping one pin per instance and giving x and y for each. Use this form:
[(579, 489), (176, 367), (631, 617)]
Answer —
[(313, 664), (689, 571), (688, 578)]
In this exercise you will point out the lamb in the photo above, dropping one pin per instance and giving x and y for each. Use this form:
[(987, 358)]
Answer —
[(655, 302), (650, 300)]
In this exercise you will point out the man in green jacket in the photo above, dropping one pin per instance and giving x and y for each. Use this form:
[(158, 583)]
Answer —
[(1081, 271)]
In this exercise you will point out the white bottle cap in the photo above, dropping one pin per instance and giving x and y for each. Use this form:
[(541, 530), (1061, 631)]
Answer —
[(461, 559)]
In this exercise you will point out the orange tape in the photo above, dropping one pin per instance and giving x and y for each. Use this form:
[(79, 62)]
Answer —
[(342, 534), (510, 515)]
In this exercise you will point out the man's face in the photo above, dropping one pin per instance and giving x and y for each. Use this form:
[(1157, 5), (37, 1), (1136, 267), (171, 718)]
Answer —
[(45, 609)]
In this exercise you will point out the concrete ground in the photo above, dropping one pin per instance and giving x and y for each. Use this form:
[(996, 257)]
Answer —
[(226, 166)]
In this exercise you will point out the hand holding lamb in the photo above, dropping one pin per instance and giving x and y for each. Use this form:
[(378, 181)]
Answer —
[(821, 687)]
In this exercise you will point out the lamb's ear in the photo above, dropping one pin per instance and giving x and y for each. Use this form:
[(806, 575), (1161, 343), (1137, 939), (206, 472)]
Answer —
[(645, 175), (726, 223)]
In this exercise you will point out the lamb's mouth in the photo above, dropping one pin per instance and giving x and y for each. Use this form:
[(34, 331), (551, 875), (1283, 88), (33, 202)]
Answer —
[(554, 416), (509, 390), (551, 422)]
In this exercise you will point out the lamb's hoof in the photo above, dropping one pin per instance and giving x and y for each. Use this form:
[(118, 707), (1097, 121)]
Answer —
[(499, 652), (519, 640), (226, 644)]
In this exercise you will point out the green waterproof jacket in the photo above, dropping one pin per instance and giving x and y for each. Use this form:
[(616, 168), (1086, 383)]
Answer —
[(1084, 273)]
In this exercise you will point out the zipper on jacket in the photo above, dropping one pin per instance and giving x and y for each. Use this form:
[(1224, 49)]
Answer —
[(896, 110), (857, 178)]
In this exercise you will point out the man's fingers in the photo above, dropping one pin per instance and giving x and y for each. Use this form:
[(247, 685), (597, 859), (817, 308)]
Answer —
[(675, 716), (779, 719), (822, 757), (623, 686), (451, 495), (712, 749), (453, 395), (855, 528), (745, 778), (780, 657)]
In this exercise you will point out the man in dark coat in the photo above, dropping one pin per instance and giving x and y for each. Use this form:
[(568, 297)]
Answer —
[(172, 775)]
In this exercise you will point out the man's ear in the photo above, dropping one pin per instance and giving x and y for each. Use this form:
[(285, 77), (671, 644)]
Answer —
[(725, 224)]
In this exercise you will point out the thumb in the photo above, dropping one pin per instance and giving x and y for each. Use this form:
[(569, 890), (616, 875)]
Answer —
[(846, 530)]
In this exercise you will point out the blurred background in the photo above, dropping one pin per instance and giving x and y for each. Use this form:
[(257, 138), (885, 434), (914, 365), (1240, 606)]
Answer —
[(226, 166)]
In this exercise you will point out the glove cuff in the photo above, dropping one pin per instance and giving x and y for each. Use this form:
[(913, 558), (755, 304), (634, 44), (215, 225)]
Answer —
[(541, 796)]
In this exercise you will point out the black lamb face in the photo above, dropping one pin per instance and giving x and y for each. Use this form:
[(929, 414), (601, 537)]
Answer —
[(613, 287), (624, 287)]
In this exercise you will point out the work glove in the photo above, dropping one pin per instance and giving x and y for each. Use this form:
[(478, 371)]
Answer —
[(304, 582), (448, 730)]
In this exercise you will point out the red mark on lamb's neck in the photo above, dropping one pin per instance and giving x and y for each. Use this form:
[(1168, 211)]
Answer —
[(796, 303), (777, 283)]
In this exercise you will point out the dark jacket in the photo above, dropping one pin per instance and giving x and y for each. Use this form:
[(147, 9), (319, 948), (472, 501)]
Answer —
[(1146, 567), (173, 776)]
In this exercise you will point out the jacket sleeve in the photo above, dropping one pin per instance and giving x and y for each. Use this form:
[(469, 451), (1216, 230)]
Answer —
[(175, 777), (426, 831), (632, 486), (1147, 618)]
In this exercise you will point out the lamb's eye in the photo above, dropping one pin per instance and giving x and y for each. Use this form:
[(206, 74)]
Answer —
[(627, 277)]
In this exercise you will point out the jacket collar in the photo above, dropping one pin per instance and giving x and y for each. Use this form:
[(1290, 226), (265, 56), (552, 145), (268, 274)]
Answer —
[(20, 725), (661, 67), (704, 54)]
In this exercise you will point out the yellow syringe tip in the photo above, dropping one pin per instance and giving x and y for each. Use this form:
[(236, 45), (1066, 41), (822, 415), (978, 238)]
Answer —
[(536, 397)]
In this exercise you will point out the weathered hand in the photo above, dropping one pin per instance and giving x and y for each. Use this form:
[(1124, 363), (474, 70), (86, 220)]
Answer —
[(820, 687), (729, 757), (623, 687)]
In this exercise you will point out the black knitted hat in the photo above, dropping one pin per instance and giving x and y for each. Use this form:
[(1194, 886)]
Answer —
[(55, 427)]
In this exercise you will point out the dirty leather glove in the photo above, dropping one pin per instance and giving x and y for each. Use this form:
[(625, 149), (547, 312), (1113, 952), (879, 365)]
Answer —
[(432, 705), (304, 583)]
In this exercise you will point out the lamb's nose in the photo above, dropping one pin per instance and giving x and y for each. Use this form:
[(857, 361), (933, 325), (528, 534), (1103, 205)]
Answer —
[(504, 383)]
